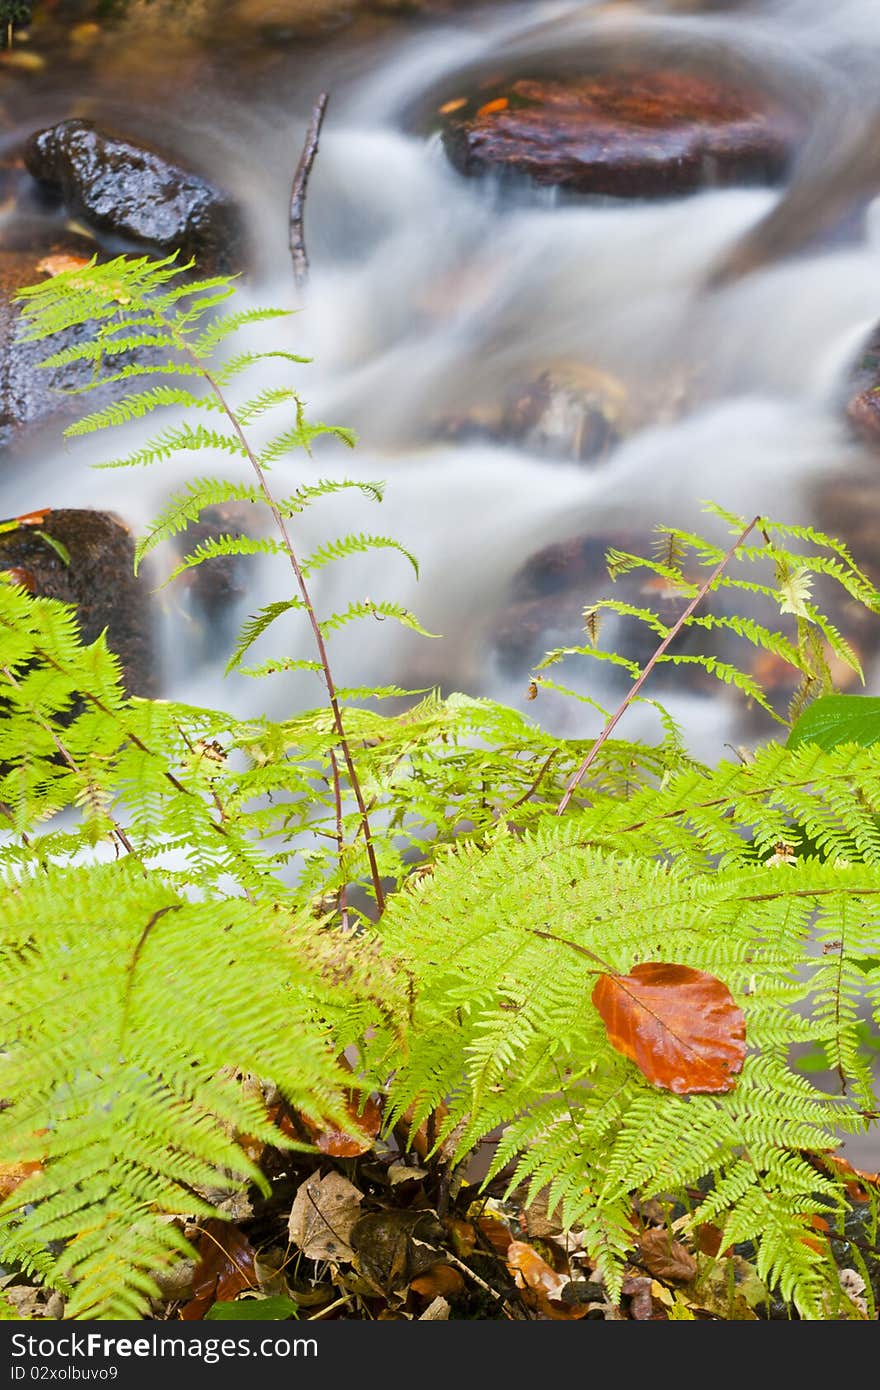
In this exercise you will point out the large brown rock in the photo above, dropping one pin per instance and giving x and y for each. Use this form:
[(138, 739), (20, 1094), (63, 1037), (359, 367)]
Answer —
[(99, 581), (635, 134), (129, 191)]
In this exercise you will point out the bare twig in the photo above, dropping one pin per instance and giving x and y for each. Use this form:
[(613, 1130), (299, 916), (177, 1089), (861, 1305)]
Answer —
[(648, 668), (298, 192)]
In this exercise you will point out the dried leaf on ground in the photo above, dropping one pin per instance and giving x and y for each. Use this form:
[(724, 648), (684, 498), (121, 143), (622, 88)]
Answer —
[(667, 1258), (322, 1217), (366, 1122), (638, 1290), (532, 1273), (681, 1027), (441, 1280), (12, 1175), (393, 1247), (438, 1311), (857, 1181), (225, 1268)]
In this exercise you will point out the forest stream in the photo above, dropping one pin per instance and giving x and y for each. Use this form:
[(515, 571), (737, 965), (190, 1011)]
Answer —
[(543, 348)]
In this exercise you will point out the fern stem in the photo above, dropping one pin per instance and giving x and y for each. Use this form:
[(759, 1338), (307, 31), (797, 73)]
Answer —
[(317, 634), (341, 902), (649, 666)]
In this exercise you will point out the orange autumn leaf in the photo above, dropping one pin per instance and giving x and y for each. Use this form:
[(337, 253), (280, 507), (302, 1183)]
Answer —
[(338, 1143), (533, 1274), (441, 1281), (61, 263), (499, 104), (856, 1180), (12, 1175), (680, 1026), (226, 1267), (33, 518), (449, 106)]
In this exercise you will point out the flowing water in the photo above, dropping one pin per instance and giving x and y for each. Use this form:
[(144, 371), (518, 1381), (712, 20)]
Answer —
[(429, 293)]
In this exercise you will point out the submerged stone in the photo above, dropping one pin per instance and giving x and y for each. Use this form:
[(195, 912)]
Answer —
[(623, 134)]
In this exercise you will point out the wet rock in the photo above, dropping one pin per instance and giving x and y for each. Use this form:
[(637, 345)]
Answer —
[(568, 411), (135, 193), (863, 386), (29, 393), (99, 580), (645, 134), (294, 19), (211, 592)]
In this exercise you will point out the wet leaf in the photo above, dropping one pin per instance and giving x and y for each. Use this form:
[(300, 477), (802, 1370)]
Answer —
[(322, 1217), (499, 104), (667, 1258), (225, 1268), (253, 1310), (26, 578), (680, 1026), (455, 105)]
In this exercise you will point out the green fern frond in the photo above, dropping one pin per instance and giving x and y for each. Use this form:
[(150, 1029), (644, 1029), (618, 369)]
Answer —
[(354, 545)]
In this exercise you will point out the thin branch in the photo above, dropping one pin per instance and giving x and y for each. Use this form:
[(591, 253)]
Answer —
[(648, 668), (298, 192)]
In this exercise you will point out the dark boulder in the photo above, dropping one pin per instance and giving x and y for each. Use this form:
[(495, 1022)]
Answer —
[(632, 134), (863, 386), (135, 193), (29, 393), (99, 581)]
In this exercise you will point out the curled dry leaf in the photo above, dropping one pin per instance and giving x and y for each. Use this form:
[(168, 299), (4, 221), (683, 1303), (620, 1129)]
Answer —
[(533, 1274), (322, 1217), (225, 1268), (681, 1027), (667, 1258)]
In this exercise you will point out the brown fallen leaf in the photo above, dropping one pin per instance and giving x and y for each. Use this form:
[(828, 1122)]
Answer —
[(225, 1268), (394, 1247), (339, 1143), (638, 1290), (441, 1281), (61, 263), (532, 1273), (857, 1181), (322, 1217), (12, 1175), (681, 1027), (667, 1258)]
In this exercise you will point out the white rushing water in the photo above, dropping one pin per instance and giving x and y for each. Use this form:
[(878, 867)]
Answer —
[(429, 294)]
